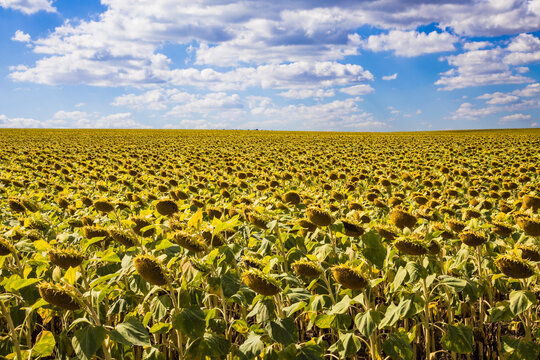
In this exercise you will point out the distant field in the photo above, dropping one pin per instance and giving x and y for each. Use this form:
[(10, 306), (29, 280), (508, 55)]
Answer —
[(167, 244)]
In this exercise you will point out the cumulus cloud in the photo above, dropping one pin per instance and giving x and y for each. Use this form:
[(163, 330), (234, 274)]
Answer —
[(156, 99), (20, 122), (357, 90), (480, 68), (21, 36), (390, 77), (28, 6), (411, 43), (514, 117), (307, 93), (297, 75)]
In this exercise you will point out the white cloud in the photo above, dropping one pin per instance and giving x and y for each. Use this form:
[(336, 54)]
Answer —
[(21, 36), (479, 68), (20, 122), (358, 90), (514, 117), (476, 45), (390, 77), (307, 93), (411, 43), (208, 104), (297, 75), (524, 48), (534, 124), (156, 99), (499, 98), (28, 6)]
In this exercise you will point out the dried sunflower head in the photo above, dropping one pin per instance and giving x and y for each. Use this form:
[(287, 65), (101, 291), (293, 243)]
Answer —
[(94, 231), (211, 238), (352, 228), (307, 268), (58, 296), (260, 282), (252, 262), (319, 217), (514, 266), (292, 197), (472, 238), (349, 277), (16, 205), (456, 225), (150, 269), (411, 245), (402, 219), (529, 225), (140, 223), (189, 241), (166, 207), (501, 229), (5, 247), (65, 258), (531, 202), (122, 236), (103, 205), (528, 252)]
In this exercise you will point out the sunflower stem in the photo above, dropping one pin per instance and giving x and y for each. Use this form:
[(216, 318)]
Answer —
[(12, 332)]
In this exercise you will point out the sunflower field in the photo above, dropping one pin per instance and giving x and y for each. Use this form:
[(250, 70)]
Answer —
[(149, 244)]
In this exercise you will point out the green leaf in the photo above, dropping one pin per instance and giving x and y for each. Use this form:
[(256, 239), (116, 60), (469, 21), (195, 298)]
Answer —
[(347, 345), (210, 345), (153, 353), (400, 276), (341, 307), (70, 275), (456, 284), (310, 351), (324, 321), (521, 300), (374, 250), (367, 322), (397, 347), (160, 328), (458, 338), (251, 348), (190, 321), (240, 326), (131, 332), (289, 310), (500, 312), (517, 349), (283, 331), (415, 271), (87, 341), (230, 284), (44, 345), (15, 283)]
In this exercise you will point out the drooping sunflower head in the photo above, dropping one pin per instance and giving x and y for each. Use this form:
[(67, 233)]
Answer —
[(514, 266), (150, 269), (65, 258), (349, 277), (307, 268), (166, 207), (319, 216), (472, 238), (402, 219), (260, 282), (58, 295), (411, 245)]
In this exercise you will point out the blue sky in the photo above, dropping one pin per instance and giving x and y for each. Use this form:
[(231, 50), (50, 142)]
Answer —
[(348, 65)]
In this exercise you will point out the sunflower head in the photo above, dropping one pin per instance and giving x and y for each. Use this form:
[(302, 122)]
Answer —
[(306, 268), (103, 205), (402, 219), (472, 238), (166, 207), (58, 295), (514, 266), (528, 252), (349, 277), (411, 246), (260, 282), (150, 269), (189, 241), (122, 236), (352, 228), (319, 217), (292, 197), (65, 258)]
